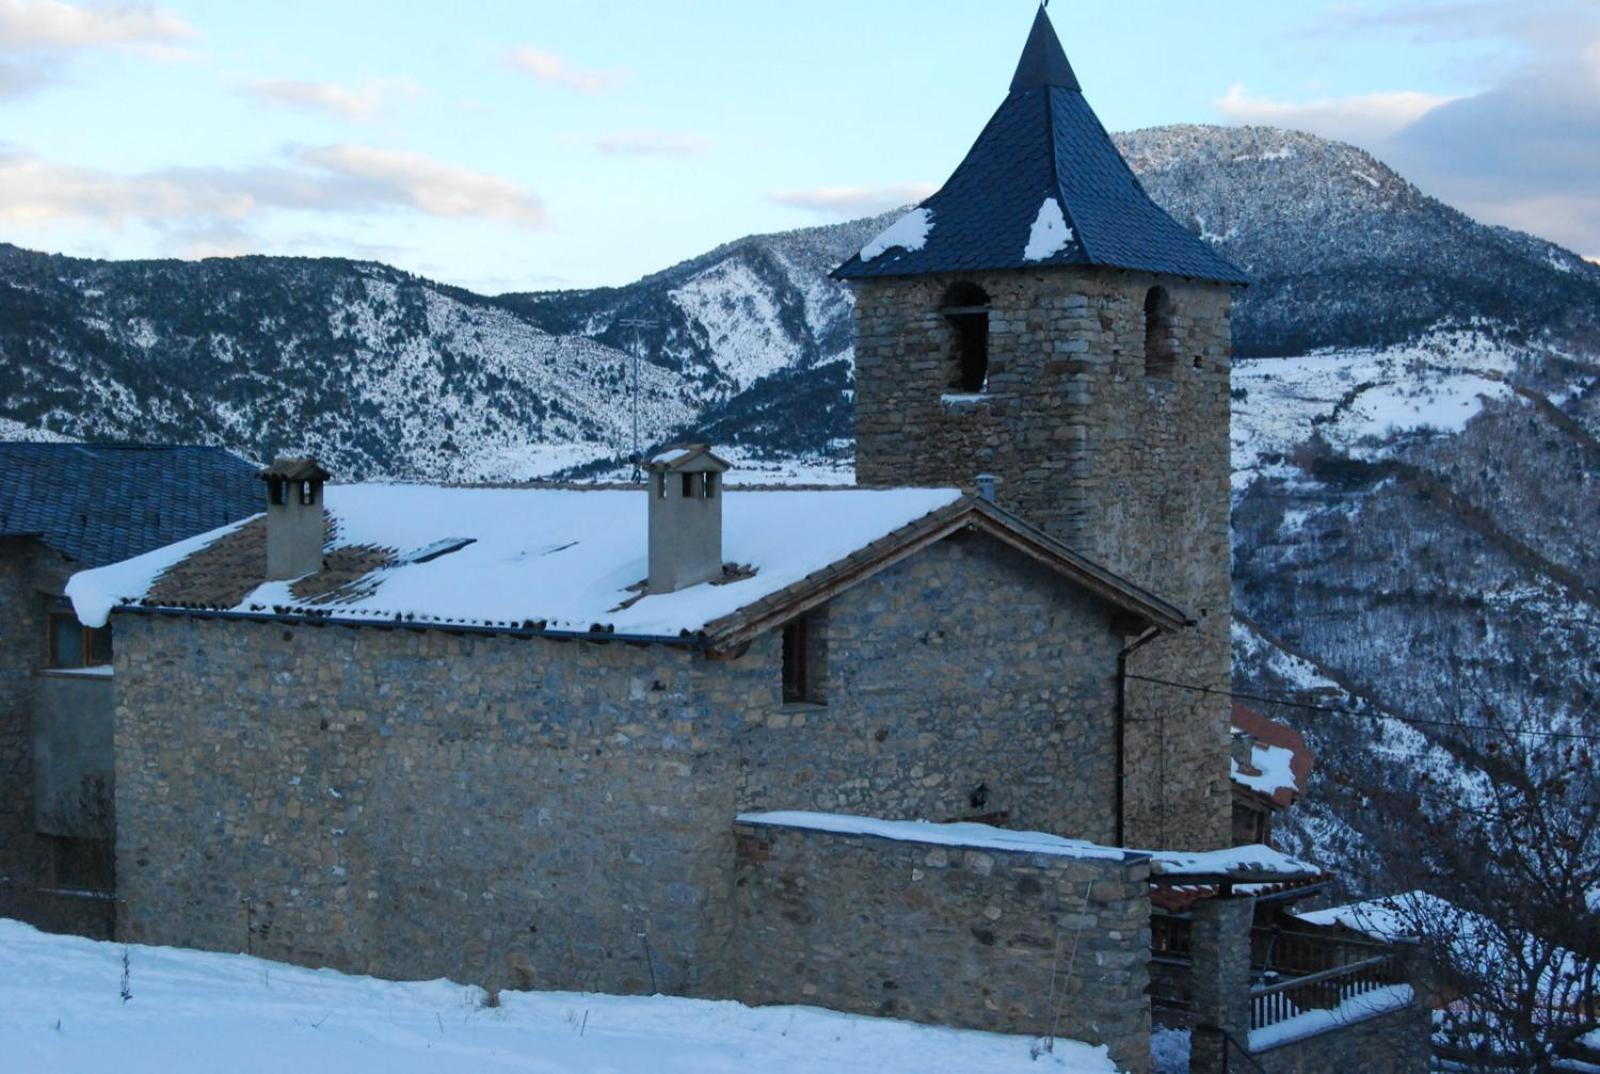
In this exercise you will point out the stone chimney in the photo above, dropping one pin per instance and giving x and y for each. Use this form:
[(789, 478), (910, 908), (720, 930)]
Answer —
[(295, 527), (685, 490)]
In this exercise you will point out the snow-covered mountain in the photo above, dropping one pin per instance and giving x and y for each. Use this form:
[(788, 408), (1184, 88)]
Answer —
[(1417, 402)]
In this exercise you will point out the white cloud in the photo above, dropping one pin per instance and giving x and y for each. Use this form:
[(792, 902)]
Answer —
[(39, 38), (429, 186), (653, 143), (1362, 119), (210, 202), (354, 103), (554, 69), (853, 200), (52, 25)]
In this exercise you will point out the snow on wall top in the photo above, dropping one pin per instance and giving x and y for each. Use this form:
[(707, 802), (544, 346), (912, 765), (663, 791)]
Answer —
[(564, 558), (975, 836)]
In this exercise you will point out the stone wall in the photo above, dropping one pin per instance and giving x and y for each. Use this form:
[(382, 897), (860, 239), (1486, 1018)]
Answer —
[(1396, 1043), (1133, 471), (49, 875), (21, 653), (523, 813), (980, 939), (964, 680)]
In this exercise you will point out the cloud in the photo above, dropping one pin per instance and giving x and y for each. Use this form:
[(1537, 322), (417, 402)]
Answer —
[(853, 200), (390, 176), (653, 143), (40, 38), (551, 68), (359, 104), (211, 203), (1361, 119), (1523, 152), (51, 25)]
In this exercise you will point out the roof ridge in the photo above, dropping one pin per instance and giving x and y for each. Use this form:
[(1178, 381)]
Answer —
[(1055, 173)]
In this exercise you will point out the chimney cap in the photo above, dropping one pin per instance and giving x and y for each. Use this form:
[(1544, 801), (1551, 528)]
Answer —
[(295, 469), (693, 457), (987, 484)]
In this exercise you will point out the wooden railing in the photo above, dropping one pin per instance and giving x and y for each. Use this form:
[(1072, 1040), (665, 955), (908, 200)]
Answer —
[(1279, 1001)]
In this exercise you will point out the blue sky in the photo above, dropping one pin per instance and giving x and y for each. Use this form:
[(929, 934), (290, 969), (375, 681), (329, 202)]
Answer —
[(508, 146)]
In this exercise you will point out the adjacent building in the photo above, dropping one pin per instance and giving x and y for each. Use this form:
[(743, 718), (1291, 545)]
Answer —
[(65, 507)]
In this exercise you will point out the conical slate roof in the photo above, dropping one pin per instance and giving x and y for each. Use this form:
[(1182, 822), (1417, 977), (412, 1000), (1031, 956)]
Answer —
[(1043, 185)]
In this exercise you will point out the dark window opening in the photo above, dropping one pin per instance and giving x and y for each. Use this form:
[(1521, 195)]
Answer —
[(78, 865), (805, 658), (709, 486), (661, 486), (688, 486), (1160, 354), (966, 307), (73, 645), (277, 492), (308, 493)]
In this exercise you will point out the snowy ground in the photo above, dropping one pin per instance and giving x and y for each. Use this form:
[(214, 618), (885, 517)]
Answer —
[(1360, 398), (62, 1010)]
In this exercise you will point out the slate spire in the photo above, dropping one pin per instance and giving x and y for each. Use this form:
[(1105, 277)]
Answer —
[(1043, 62), (1044, 185)]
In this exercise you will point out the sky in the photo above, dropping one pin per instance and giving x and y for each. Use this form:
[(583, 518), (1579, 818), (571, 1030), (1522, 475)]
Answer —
[(535, 144)]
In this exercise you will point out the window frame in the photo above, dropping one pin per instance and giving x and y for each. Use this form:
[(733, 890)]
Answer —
[(87, 640), (967, 308), (803, 643), (1160, 349)]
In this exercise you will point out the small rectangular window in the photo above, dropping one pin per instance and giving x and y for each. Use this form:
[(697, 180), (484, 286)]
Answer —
[(688, 486), (661, 486), (805, 658), (710, 486), (795, 652), (277, 491), (73, 645)]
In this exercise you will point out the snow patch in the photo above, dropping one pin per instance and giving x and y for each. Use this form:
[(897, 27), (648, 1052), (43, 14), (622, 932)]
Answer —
[(977, 836), (1254, 858), (908, 233), (1050, 233), (1322, 1020)]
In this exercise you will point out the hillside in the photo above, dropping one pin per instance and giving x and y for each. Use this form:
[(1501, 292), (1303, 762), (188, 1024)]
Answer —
[(1417, 407)]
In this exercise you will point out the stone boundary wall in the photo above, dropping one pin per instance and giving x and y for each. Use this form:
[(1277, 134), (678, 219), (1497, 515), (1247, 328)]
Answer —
[(966, 937), (1395, 1043)]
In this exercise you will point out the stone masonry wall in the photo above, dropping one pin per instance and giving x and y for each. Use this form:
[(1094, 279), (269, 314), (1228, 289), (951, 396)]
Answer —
[(21, 647), (1397, 1043), (964, 680), (1130, 470), (981, 939), (522, 813)]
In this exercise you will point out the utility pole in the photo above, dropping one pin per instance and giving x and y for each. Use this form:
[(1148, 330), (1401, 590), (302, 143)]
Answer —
[(638, 324)]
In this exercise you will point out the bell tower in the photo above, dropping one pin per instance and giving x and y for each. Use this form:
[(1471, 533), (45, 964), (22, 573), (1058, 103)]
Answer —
[(1041, 320)]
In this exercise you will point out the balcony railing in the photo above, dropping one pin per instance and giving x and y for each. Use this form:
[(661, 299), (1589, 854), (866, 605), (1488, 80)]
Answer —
[(1329, 989)]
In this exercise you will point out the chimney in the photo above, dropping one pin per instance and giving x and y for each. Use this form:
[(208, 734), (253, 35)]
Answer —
[(685, 489), (986, 487), (1244, 746), (295, 527)]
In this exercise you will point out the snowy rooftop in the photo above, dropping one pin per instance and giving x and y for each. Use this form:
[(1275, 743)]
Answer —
[(1254, 860), (1279, 768), (561, 558)]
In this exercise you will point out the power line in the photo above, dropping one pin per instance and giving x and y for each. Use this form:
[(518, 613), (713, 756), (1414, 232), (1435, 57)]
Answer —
[(1195, 687)]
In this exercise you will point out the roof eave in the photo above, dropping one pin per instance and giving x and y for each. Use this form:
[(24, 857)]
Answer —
[(970, 512)]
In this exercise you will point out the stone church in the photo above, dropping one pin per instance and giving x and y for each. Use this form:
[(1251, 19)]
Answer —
[(888, 749)]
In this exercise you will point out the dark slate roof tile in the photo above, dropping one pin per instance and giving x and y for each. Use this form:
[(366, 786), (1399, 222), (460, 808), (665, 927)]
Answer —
[(1046, 142), (101, 503)]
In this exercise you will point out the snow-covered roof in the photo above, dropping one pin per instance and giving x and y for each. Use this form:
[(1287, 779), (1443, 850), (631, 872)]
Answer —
[(1256, 861), (1389, 919), (555, 560), (974, 836), (1279, 769)]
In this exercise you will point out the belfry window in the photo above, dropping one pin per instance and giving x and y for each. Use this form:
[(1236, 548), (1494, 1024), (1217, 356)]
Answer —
[(966, 307), (1160, 350)]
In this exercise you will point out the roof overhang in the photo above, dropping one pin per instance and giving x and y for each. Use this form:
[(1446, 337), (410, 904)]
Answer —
[(1139, 607)]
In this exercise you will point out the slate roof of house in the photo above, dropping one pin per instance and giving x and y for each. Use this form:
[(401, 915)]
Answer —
[(101, 503), (557, 561), (1043, 185)]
